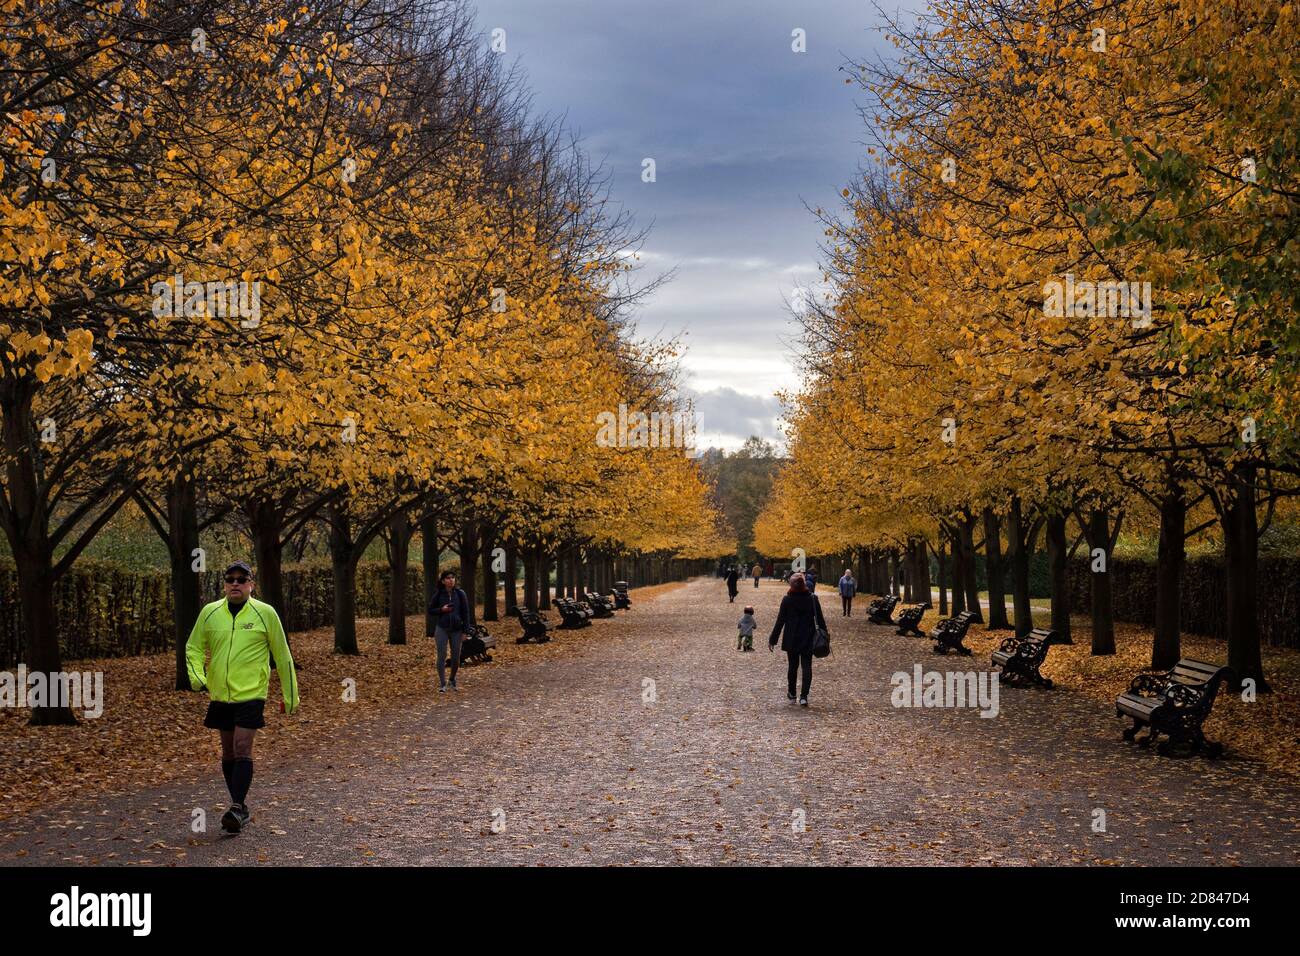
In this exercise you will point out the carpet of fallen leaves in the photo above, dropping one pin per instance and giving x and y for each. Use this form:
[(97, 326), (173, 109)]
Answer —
[(649, 739), (1268, 729), (150, 733)]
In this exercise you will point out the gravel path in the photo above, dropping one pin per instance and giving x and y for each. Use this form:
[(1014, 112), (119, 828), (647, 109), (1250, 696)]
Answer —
[(569, 761)]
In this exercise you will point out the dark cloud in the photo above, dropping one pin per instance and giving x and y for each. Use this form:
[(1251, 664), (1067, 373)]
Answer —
[(743, 132), (726, 417)]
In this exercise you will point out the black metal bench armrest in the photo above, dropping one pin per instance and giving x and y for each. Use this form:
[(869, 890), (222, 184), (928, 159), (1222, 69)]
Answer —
[(1149, 685), (1185, 696)]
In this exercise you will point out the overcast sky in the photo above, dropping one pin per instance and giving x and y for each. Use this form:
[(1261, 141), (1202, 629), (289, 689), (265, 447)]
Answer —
[(743, 131)]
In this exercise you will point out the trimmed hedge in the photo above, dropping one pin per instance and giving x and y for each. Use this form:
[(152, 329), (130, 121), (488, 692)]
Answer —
[(106, 611), (1203, 595), (1040, 581)]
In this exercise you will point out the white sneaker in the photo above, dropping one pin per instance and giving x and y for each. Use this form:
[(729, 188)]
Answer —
[(803, 701), (442, 688)]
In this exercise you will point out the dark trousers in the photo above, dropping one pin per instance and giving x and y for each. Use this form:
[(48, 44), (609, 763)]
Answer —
[(796, 659), (848, 603), (441, 639)]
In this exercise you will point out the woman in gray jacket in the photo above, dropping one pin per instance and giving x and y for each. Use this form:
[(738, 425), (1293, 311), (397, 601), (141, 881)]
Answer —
[(848, 588)]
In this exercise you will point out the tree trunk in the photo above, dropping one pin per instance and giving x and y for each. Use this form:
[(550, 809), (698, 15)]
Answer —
[(182, 540), (343, 564), (1056, 558), (489, 581), (399, 543), (914, 572), (943, 576), (908, 569), (923, 562), (1019, 544), (958, 572), (967, 535), (467, 549), (429, 562), (544, 579), (28, 531), (994, 568), (1241, 567), (530, 578), (266, 522), (512, 575), (1103, 618), (1166, 644)]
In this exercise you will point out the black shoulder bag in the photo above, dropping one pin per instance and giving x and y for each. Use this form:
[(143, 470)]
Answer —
[(821, 637)]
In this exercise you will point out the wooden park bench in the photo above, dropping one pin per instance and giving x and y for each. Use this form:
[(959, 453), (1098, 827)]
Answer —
[(601, 606), (536, 627), (573, 614), (909, 620), (880, 609), (1175, 704), (949, 633), (622, 600), (1020, 657), (475, 644)]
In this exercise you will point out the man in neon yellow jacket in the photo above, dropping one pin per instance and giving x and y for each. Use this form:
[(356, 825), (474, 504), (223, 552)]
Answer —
[(238, 633)]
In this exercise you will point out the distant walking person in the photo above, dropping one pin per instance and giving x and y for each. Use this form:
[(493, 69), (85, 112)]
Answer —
[(799, 617), (757, 572), (732, 577), (452, 607), (848, 588), (241, 635), (810, 577)]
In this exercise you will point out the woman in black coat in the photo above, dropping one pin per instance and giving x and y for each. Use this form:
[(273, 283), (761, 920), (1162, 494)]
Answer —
[(799, 616), (733, 576)]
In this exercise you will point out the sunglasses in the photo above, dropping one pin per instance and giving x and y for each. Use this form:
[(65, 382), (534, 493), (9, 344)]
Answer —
[(238, 580)]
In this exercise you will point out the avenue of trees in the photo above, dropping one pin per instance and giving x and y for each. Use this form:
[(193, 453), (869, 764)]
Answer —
[(984, 367), (275, 264)]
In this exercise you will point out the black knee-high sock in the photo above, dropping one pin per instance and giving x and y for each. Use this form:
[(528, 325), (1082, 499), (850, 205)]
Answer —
[(241, 778), (227, 768)]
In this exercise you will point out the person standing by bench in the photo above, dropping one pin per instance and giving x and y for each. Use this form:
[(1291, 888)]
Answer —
[(799, 618), (848, 588), (452, 607)]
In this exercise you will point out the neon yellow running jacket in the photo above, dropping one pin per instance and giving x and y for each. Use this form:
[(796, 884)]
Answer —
[(240, 668)]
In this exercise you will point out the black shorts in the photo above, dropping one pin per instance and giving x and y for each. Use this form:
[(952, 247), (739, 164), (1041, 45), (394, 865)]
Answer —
[(244, 713)]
